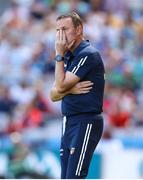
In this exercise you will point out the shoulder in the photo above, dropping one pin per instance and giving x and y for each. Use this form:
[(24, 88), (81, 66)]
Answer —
[(91, 53)]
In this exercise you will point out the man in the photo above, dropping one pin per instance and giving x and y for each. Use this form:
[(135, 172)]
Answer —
[(79, 82)]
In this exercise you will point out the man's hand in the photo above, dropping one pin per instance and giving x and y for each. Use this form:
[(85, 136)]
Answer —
[(61, 45), (81, 87)]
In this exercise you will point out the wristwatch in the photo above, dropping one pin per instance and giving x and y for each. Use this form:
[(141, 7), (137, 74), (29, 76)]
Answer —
[(59, 58)]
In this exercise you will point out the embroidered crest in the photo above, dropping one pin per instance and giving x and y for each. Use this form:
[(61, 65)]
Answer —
[(72, 151)]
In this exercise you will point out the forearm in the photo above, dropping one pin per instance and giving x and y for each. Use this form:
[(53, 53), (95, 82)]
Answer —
[(64, 81), (59, 76), (79, 88), (56, 96)]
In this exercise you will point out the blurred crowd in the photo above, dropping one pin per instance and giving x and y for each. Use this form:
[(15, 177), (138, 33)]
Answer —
[(27, 36)]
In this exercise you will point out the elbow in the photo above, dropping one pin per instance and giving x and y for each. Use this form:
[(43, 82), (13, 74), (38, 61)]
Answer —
[(52, 97), (54, 100)]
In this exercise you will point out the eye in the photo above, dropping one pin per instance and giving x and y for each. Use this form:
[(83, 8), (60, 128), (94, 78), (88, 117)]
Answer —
[(64, 29)]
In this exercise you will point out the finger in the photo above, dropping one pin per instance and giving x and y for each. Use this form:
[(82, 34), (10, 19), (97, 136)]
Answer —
[(64, 36), (80, 84), (71, 44), (58, 35), (86, 82), (84, 92), (85, 89), (86, 85)]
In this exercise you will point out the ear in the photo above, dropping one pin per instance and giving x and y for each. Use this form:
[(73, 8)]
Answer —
[(79, 30)]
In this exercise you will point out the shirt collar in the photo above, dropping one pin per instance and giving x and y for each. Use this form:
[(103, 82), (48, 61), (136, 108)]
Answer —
[(83, 44), (68, 54)]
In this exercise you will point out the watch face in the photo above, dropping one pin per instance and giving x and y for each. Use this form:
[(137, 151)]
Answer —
[(59, 58)]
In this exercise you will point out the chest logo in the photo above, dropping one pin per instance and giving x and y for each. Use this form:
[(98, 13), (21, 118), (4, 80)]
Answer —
[(72, 151)]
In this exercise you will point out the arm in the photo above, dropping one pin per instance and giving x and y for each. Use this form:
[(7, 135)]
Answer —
[(55, 95), (80, 88), (64, 80)]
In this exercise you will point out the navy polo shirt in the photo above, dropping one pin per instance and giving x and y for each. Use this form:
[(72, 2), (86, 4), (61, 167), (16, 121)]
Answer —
[(87, 64)]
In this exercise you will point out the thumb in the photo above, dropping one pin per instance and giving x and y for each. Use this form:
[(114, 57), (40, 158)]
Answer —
[(71, 44)]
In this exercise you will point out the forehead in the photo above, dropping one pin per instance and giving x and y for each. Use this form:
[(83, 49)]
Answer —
[(65, 22)]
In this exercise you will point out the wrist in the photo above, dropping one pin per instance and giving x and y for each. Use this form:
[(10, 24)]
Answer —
[(60, 53), (59, 58)]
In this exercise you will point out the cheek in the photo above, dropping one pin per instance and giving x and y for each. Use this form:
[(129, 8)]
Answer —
[(70, 35)]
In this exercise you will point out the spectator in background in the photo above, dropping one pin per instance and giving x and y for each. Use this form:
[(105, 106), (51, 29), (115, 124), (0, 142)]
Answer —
[(15, 16), (119, 106), (7, 104), (34, 114)]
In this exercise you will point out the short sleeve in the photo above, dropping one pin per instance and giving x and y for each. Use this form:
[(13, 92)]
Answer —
[(81, 66)]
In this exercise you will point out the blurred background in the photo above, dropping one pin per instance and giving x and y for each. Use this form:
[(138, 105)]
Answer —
[(30, 124)]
